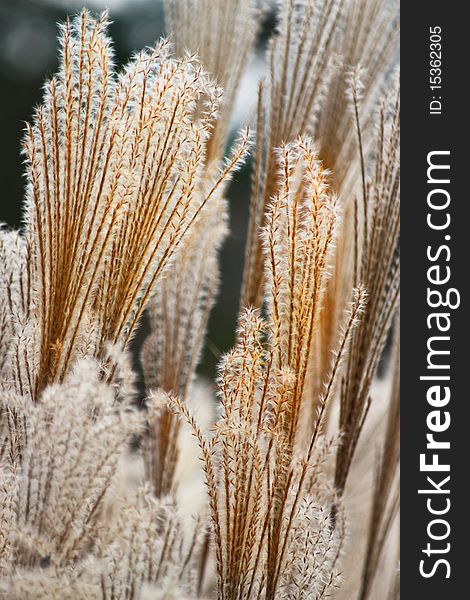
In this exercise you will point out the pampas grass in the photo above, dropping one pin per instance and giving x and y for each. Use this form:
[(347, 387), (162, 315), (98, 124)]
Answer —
[(125, 212)]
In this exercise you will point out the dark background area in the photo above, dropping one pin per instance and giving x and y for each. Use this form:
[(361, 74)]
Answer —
[(28, 55)]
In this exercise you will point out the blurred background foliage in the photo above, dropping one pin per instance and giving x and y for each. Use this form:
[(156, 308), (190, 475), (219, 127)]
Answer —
[(28, 55)]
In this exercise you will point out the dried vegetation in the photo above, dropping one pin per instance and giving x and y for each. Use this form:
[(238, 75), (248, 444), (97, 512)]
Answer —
[(125, 211)]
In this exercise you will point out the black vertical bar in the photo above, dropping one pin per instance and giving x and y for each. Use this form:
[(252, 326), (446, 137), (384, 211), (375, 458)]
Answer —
[(424, 130)]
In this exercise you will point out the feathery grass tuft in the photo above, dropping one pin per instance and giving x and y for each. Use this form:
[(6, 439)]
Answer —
[(101, 496)]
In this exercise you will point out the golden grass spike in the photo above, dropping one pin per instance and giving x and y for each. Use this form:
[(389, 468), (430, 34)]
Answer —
[(164, 145), (114, 165), (300, 69), (367, 36), (366, 39), (222, 33), (298, 239), (378, 270), (72, 171), (256, 482)]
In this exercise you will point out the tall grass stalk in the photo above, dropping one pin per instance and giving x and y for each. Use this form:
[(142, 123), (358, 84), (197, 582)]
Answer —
[(282, 484)]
